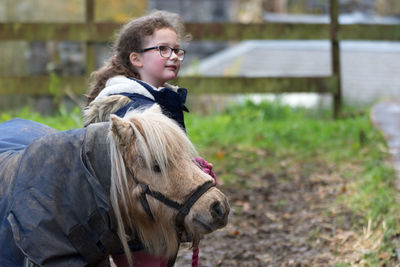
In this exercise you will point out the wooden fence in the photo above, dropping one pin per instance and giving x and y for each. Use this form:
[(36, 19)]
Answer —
[(90, 32)]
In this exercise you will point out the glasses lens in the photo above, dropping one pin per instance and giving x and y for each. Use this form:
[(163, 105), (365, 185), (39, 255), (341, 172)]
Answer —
[(180, 53), (165, 51)]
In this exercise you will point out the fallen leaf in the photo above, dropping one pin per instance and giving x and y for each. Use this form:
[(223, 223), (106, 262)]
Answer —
[(235, 232)]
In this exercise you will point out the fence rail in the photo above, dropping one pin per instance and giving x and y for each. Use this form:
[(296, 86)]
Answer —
[(91, 33), (103, 32), (42, 85)]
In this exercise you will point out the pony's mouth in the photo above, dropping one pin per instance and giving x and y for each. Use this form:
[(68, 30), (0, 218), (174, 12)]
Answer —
[(205, 225)]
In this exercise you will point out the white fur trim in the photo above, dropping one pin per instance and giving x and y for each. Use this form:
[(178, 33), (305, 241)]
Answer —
[(121, 84), (173, 87)]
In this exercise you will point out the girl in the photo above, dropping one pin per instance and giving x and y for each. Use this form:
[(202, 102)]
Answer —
[(147, 55)]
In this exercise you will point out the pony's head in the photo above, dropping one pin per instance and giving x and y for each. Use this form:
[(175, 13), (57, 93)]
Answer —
[(157, 190)]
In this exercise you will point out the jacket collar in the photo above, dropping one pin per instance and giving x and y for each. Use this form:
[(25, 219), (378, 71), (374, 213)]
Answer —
[(123, 85)]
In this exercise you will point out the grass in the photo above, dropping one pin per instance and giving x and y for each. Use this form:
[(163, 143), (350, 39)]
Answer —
[(249, 138), (62, 120)]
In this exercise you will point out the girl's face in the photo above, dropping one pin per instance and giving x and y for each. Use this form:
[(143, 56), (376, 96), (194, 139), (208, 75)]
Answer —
[(153, 68)]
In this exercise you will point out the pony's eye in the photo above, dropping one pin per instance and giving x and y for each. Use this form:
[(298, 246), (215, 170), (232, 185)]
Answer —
[(156, 168)]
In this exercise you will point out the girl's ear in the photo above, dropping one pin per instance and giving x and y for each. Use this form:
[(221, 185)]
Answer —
[(135, 60)]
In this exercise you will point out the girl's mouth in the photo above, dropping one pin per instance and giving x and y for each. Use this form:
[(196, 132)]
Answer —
[(171, 67)]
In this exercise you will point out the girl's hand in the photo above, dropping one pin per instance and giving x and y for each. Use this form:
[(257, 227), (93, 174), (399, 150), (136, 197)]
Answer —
[(206, 167)]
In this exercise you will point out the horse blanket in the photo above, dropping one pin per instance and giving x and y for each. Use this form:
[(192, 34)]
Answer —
[(54, 196)]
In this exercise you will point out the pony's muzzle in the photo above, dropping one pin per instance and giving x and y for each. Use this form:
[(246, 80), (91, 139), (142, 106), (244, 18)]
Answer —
[(210, 213), (219, 212)]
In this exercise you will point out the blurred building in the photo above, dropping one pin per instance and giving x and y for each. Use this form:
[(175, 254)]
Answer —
[(369, 69)]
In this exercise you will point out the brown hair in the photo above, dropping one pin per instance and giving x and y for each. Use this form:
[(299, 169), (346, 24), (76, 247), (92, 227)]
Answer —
[(130, 39)]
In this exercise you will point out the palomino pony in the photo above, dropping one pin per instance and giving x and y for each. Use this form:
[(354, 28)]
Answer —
[(72, 198)]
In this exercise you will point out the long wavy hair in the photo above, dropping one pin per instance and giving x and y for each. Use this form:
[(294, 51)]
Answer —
[(130, 39)]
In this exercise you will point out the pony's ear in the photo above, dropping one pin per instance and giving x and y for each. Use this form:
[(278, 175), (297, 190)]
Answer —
[(121, 129)]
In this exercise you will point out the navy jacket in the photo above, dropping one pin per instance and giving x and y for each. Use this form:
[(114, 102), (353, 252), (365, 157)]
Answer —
[(171, 99), (172, 103)]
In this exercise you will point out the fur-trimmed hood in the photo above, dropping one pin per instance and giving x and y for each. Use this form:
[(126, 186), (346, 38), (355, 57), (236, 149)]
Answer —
[(122, 94)]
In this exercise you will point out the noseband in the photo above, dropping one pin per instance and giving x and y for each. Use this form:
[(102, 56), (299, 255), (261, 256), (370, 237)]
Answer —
[(183, 209)]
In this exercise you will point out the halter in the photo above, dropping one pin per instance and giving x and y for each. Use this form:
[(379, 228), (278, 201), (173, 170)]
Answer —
[(183, 209)]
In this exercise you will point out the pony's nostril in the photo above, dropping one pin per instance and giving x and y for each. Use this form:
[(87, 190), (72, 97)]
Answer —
[(217, 211)]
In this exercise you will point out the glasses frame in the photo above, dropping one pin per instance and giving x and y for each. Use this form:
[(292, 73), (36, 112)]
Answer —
[(159, 47)]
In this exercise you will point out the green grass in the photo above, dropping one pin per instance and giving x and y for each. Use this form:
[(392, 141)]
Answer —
[(62, 120), (254, 138), (283, 133)]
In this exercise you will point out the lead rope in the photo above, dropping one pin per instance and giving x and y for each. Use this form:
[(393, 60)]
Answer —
[(207, 168), (195, 257)]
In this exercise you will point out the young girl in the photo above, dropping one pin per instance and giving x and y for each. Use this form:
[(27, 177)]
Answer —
[(147, 55)]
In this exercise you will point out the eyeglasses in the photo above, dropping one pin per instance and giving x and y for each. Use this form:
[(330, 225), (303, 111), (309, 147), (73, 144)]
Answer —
[(166, 51)]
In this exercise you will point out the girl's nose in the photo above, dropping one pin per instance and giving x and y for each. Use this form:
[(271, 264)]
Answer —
[(173, 55)]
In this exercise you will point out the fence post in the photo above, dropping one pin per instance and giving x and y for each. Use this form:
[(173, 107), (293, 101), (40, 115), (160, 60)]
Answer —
[(90, 49), (335, 57)]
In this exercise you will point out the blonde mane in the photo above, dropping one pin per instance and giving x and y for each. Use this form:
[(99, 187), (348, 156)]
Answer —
[(100, 110), (158, 140)]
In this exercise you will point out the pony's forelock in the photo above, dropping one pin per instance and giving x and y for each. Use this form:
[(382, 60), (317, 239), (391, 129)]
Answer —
[(160, 140)]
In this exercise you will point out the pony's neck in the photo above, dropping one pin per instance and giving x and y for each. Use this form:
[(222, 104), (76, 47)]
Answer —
[(96, 153)]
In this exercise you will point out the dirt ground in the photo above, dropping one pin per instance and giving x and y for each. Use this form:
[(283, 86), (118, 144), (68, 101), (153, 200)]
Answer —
[(282, 219)]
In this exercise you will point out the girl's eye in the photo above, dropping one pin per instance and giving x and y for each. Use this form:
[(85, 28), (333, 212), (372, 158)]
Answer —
[(163, 48), (156, 168)]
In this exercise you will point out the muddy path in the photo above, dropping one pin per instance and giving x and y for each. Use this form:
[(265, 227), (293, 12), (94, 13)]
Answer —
[(283, 219), (294, 218)]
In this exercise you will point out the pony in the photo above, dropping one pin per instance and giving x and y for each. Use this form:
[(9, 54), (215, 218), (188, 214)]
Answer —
[(73, 198)]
